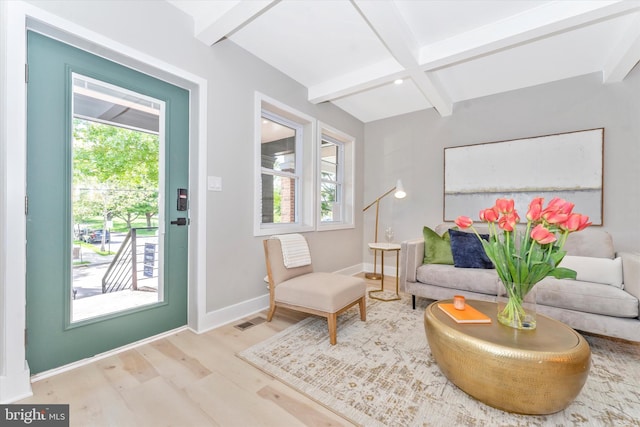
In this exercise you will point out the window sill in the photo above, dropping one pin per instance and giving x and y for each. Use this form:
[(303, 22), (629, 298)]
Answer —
[(335, 226)]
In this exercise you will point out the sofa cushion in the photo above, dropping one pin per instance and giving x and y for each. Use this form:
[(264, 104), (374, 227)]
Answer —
[(466, 279), (586, 297), (468, 251), (597, 270), (437, 249), (591, 242)]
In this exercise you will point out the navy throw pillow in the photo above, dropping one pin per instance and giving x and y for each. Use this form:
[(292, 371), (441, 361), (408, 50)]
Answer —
[(468, 251)]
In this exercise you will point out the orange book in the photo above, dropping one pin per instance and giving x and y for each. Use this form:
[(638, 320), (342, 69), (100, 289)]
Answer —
[(468, 315)]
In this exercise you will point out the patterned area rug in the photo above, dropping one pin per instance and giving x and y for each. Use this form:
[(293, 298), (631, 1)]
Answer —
[(381, 373)]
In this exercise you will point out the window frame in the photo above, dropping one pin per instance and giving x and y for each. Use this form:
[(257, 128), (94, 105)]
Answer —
[(297, 174), (305, 127), (338, 182), (347, 182)]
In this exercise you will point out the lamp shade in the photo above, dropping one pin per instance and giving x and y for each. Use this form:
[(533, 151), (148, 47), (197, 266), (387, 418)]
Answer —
[(400, 193)]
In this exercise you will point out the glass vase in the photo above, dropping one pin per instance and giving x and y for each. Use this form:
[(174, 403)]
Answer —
[(516, 307)]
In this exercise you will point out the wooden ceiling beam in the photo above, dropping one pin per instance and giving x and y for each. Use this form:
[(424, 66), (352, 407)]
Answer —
[(232, 20), (359, 80), (419, 62), (385, 20), (540, 22), (624, 56)]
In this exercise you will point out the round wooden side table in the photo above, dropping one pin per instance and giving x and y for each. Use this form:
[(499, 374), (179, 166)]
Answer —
[(527, 372)]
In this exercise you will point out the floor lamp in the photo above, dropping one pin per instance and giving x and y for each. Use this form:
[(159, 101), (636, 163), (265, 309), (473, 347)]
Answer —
[(398, 193)]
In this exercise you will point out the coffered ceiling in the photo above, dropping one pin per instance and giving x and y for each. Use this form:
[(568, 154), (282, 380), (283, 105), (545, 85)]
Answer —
[(350, 52)]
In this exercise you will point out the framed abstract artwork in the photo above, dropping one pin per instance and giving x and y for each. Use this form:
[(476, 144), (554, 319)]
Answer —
[(567, 165)]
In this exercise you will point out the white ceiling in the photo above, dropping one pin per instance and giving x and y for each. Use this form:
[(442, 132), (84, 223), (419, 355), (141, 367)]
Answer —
[(446, 51)]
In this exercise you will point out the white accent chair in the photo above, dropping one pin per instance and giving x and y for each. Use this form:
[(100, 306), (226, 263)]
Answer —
[(302, 289)]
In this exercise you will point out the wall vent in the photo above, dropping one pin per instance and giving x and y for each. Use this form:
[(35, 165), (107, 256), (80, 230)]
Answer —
[(249, 323)]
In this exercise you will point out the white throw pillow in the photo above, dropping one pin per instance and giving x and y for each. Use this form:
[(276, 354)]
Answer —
[(597, 270)]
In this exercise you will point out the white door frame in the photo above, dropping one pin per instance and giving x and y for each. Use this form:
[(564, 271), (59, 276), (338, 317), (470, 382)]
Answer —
[(15, 17)]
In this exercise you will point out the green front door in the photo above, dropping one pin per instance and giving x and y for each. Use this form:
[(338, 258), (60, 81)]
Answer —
[(76, 102)]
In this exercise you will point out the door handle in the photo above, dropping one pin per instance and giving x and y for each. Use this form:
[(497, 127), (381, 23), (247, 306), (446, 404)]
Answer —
[(180, 221)]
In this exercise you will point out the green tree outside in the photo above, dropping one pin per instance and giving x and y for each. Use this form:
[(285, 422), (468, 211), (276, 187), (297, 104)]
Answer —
[(115, 173)]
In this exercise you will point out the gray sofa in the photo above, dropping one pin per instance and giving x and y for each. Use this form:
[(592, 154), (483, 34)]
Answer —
[(585, 305)]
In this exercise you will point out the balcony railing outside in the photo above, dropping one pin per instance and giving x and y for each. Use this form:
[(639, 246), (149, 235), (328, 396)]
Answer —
[(135, 261)]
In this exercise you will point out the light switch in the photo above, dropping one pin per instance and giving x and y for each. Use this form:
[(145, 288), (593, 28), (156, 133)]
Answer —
[(214, 183)]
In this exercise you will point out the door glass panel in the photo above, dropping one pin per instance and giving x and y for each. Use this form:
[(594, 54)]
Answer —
[(116, 182)]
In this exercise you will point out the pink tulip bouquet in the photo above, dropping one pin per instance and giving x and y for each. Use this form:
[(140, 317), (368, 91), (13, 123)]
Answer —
[(522, 261)]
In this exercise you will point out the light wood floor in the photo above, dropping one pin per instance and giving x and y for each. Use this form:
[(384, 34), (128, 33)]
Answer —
[(187, 380)]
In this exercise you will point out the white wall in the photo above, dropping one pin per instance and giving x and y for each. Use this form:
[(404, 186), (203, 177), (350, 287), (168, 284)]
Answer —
[(412, 146), (3, 180), (3, 119), (234, 258)]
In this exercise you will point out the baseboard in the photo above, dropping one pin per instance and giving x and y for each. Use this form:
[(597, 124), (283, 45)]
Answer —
[(226, 315), (77, 364), (15, 387), (351, 271), (388, 270)]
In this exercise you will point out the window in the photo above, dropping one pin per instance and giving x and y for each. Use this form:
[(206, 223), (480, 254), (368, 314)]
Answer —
[(331, 154), (335, 179), (284, 184), (280, 173), (303, 176)]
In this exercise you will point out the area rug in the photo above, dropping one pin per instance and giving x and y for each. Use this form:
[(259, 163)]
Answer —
[(381, 373)]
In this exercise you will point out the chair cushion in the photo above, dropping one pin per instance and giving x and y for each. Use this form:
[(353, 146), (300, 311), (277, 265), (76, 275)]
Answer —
[(320, 291)]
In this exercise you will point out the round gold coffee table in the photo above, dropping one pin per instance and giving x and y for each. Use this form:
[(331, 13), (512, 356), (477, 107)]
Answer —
[(526, 372)]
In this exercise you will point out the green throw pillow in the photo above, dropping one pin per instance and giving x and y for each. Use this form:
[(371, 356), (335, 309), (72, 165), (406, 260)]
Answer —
[(437, 250)]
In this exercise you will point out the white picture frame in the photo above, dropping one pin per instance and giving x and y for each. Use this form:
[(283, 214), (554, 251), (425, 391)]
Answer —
[(567, 165)]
